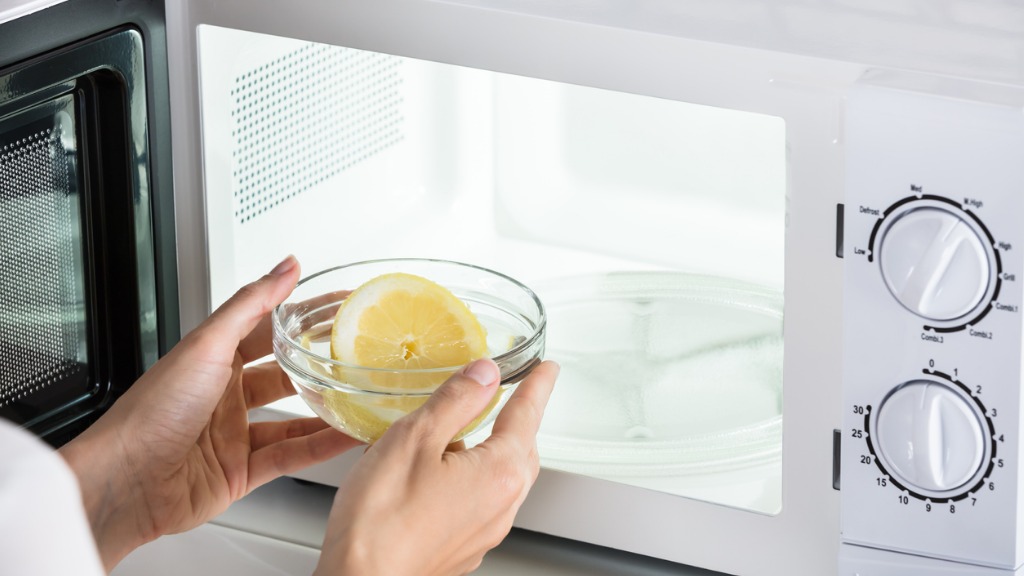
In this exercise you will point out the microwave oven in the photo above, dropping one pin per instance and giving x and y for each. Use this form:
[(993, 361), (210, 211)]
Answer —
[(776, 243)]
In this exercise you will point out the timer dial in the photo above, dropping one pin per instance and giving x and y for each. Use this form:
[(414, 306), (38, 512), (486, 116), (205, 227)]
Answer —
[(935, 263), (930, 437)]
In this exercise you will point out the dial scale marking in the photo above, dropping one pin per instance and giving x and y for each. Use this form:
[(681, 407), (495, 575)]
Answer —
[(932, 329)]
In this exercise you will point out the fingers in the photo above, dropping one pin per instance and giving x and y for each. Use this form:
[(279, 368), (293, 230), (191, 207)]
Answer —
[(259, 342), (454, 405), (263, 434), (456, 446), (520, 418), (512, 445), (234, 320), (281, 454), (265, 383)]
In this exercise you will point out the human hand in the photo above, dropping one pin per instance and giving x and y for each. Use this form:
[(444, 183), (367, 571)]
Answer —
[(177, 448), (410, 506)]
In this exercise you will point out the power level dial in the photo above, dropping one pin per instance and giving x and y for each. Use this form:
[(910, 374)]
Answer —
[(930, 437), (935, 263)]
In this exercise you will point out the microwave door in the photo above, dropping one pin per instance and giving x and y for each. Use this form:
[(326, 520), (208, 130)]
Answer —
[(82, 313)]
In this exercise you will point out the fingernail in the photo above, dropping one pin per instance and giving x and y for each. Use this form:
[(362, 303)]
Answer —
[(483, 371), (284, 266)]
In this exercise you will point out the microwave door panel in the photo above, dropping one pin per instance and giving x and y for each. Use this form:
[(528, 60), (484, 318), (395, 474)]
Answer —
[(80, 206)]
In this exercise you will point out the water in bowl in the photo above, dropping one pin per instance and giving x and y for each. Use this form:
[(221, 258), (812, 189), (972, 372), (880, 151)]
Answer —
[(348, 401)]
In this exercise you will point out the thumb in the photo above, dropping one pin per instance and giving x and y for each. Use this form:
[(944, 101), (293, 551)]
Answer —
[(456, 403), (238, 316)]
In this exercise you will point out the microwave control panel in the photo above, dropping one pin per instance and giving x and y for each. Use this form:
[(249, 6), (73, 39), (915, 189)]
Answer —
[(933, 249)]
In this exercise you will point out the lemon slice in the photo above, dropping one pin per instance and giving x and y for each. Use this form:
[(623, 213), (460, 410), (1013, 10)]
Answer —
[(367, 418), (402, 321), (399, 321)]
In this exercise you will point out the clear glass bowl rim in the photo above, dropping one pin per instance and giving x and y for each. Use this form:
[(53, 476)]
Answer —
[(279, 331)]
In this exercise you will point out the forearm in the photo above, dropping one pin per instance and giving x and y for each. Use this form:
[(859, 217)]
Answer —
[(109, 499)]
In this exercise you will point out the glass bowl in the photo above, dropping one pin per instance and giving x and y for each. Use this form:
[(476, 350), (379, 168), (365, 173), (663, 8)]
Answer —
[(363, 402)]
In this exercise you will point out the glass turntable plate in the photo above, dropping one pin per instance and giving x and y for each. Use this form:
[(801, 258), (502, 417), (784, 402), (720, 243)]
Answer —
[(669, 381)]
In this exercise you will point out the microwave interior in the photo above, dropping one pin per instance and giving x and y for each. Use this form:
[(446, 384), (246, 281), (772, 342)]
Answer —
[(652, 230)]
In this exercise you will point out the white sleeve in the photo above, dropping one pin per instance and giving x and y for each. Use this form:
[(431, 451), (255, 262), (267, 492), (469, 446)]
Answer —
[(43, 529)]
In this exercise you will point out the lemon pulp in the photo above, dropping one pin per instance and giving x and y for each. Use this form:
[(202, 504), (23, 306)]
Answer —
[(399, 322)]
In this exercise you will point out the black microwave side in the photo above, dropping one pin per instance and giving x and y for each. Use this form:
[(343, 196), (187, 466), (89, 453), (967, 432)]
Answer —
[(88, 284)]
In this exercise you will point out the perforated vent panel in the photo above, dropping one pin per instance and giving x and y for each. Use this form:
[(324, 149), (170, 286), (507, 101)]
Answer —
[(307, 116), (41, 295)]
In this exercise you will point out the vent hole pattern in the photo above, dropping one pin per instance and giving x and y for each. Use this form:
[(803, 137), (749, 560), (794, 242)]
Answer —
[(41, 307), (306, 117)]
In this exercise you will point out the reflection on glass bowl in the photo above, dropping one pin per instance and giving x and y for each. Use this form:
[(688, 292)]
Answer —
[(669, 381), (351, 398)]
